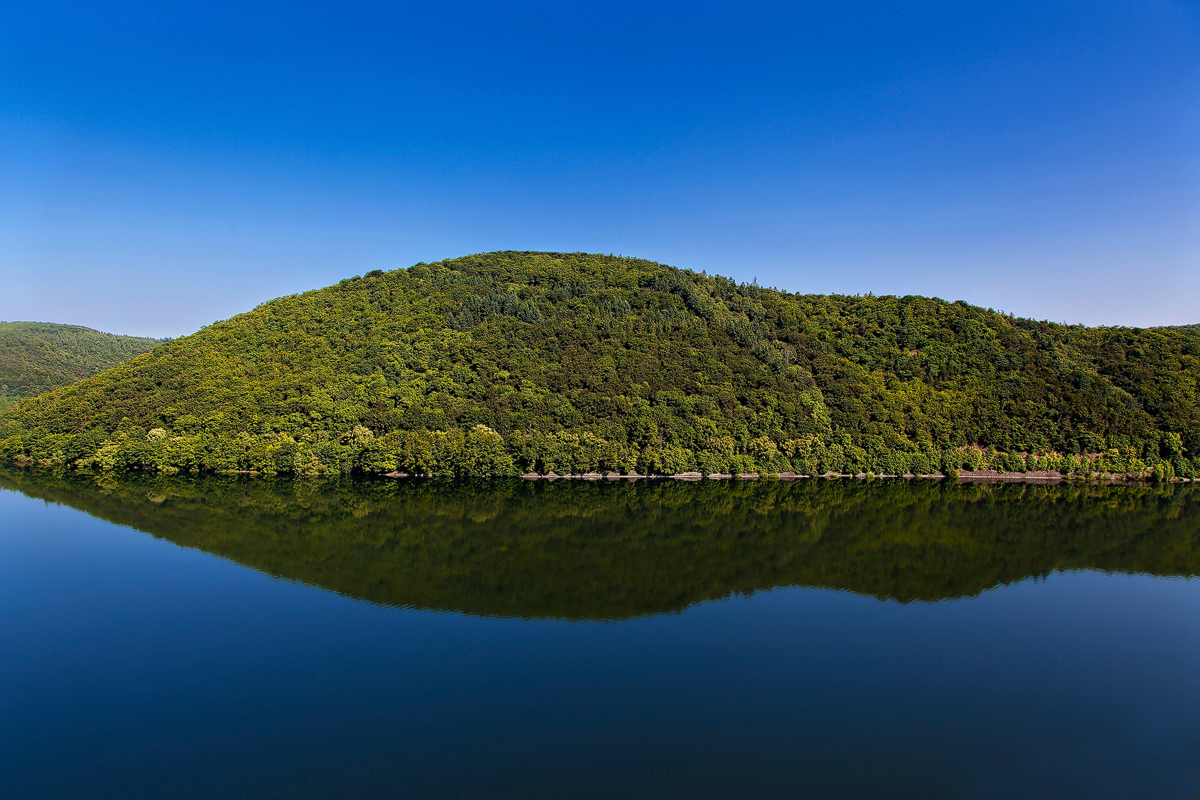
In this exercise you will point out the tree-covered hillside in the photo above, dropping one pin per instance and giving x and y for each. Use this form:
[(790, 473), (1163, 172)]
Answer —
[(36, 357), (507, 362)]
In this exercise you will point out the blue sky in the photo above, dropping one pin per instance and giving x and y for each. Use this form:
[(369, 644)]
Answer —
[(164, 165)]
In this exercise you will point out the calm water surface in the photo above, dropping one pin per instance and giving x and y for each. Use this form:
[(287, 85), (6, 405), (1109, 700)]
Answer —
[(226, 638)]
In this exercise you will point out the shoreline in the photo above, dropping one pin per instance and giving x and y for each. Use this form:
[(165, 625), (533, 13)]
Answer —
[(961, 476)]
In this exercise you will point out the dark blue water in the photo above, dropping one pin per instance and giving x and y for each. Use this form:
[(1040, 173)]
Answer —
[(134, 667)]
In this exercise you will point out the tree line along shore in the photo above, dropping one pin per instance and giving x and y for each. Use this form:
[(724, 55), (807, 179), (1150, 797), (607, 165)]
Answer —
[(482, 452)]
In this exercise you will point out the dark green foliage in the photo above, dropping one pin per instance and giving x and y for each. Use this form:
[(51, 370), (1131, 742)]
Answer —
[(607, 551), (36, 357), (507, 362)]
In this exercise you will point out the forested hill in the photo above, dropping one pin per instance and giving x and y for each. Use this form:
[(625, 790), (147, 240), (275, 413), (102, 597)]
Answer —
[(507, 362), (36, 357)]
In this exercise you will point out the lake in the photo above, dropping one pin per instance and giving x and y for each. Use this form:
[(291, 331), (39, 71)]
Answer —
[(226, 637)]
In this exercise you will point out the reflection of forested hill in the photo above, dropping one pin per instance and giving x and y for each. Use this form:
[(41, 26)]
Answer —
[(608, 551)]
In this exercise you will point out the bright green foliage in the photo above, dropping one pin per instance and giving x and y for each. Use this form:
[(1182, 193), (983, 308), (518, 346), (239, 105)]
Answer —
[(507, 362), (36, 357), (578, 550)]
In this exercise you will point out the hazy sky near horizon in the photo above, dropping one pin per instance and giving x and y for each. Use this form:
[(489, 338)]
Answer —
[(164, 165)]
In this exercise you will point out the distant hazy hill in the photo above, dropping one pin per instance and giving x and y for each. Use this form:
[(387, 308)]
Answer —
[(36, 357), (505, 362)]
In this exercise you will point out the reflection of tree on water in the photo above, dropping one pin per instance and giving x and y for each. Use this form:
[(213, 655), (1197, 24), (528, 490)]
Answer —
[(609, 551)]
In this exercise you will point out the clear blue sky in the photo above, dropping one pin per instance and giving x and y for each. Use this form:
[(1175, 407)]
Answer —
[(164, 165)]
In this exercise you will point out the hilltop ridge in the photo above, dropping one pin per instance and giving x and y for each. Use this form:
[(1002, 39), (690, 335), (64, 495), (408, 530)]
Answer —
[(501, 363)]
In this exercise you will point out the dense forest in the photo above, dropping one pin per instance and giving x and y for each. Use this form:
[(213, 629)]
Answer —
[(584, 551), (503, 363), (36, 357)]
